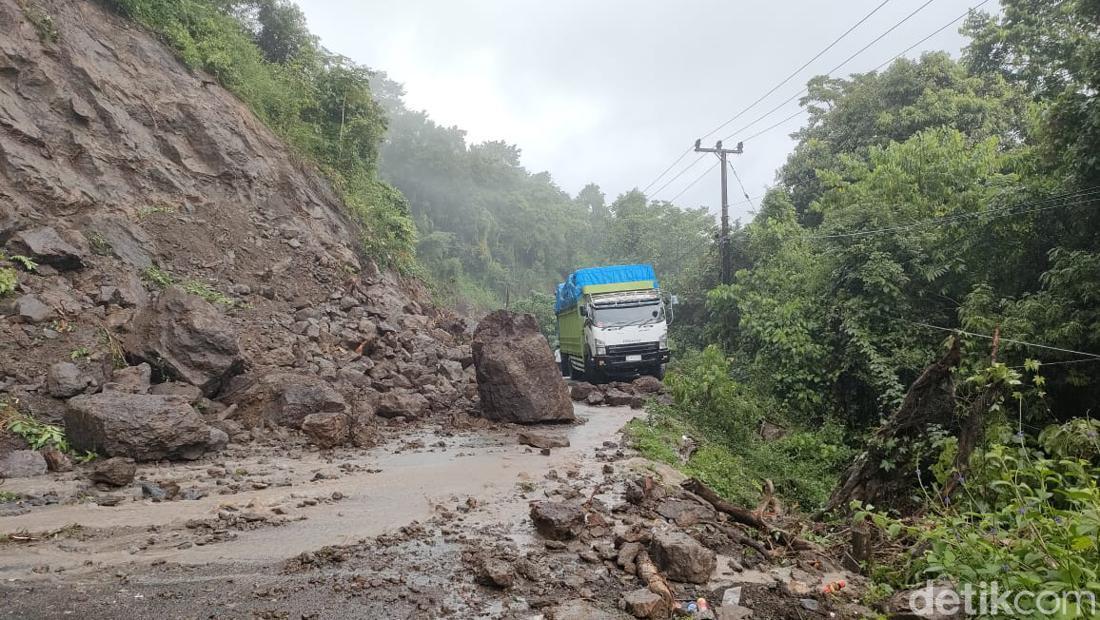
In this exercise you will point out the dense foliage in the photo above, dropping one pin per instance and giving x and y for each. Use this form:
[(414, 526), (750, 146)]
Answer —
[(934, 192)]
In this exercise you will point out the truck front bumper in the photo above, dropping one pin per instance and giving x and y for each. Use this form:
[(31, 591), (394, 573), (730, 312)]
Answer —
[(629, 362)]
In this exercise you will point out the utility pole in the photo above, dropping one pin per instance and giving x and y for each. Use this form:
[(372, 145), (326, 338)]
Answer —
[(724, 239)]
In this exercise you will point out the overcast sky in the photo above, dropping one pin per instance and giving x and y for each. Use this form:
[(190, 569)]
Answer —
[(612, 91)]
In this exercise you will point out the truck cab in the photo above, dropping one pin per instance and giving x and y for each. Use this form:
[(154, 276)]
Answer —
[(612, 322)]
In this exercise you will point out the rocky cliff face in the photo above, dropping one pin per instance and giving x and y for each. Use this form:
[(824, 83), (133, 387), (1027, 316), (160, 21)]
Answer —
[(171, 228)]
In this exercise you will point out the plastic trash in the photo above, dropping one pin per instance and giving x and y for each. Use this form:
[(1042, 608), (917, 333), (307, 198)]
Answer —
[(732, 597), (833, 586)]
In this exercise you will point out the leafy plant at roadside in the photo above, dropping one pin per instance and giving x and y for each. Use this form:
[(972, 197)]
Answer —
[(37, 434), (27, 263), (1025, 520), (541, 305)]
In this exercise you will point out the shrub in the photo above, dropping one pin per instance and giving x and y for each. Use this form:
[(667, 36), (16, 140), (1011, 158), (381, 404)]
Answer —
[(1025, 519), (8, 281)]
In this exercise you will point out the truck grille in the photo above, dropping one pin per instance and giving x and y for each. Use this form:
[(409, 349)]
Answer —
[(632, 349)]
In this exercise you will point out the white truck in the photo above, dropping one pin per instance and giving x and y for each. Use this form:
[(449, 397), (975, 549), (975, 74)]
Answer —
[(612, 322)]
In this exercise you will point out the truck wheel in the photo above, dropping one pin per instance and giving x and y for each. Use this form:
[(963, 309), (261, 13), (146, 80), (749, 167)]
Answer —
[(658, 371), (591, 374), (566, 367), (574, 374)]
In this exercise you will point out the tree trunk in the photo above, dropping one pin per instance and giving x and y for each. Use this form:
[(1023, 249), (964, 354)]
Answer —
[(930, 400)]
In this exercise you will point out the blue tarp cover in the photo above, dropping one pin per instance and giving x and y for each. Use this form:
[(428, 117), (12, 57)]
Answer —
[(571, 290)]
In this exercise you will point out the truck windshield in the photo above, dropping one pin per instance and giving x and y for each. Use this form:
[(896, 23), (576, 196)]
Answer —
[(635, 315)]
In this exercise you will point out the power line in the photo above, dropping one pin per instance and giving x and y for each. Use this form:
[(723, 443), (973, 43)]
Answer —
[(1003, 339), (937, 31), (801, 111), (798, 70), (678, 175), (769, 93), (836, 68), (693, 183), (1083, 197), (670, 167), (742, 185)]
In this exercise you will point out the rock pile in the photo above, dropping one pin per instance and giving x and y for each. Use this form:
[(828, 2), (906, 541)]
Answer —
[(620, 393), (214, 292)]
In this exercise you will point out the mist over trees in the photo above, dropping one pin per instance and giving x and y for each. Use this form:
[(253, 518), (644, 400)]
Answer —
[(489, 229)]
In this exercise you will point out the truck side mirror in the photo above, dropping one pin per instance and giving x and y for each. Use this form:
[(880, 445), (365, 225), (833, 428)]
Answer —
[(584, 311)]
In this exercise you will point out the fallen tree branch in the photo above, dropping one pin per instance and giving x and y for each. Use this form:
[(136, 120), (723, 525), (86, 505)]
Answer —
[(647, 572), (741, 539), (745, 516)]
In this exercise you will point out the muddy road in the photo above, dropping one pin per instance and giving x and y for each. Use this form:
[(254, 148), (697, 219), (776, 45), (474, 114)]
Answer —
[(410, 508)]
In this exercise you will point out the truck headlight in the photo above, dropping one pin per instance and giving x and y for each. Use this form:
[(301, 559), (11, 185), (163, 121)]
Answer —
[(662, 342), (601, 349)]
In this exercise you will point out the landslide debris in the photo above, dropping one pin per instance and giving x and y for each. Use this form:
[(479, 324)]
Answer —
[(188, 280)]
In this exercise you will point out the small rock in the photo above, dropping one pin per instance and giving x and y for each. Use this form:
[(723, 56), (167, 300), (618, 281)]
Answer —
[(64, 380), (581, 390), (29, 309), (402, 404), (900, 605), (542, 439), (557, 520), (46, 247), (642, 603), (327, 430), (56, 460), (117, 471), (132, 379), (22, 464), (648, 384), (497, 573), (175, 388)]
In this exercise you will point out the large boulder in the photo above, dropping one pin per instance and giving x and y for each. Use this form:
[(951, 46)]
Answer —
[(681, 557), (143, 427), (284, 399), (186, 339), (45, 246), (517, 377)]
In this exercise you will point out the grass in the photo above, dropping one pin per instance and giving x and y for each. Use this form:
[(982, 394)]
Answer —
[(158, 277), (99, 243), (145, 212), (209, 293), (6, 497), (803, 465), (79, 353)]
